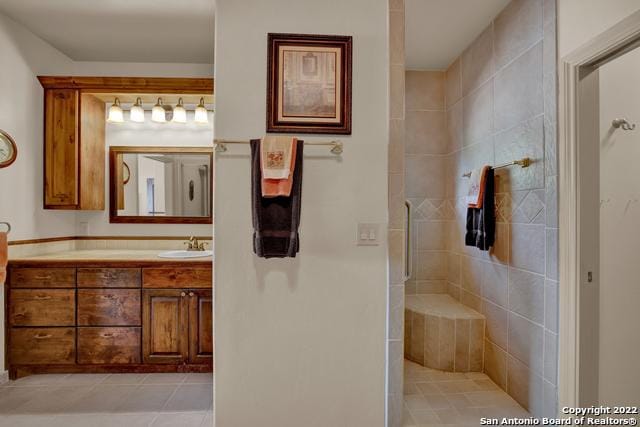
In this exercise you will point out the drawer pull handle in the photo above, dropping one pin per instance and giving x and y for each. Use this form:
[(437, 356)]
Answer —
[(106, 335), (42, 337), (190, 294), (40, 277), (183, 294), (42, 297), (108, 276), (108, 296)]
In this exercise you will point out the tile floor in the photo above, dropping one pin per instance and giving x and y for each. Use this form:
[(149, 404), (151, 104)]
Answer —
[(106, 400), (436, 398)]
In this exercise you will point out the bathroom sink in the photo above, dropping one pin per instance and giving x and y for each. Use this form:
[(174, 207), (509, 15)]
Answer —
[(185, 254)]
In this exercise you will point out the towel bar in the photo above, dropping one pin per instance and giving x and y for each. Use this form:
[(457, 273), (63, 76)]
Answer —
[(8, 226), (525, 162), (336, 146)]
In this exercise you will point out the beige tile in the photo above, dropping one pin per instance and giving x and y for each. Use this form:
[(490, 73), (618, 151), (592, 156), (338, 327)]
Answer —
[(528, 247), (396, 37), (453, 83), (424, 90), (495, 363), (431, 287), (396, 5), (477, 114), (518, 90), (454, 291), (396, 256), (407, 333), (417, 337), (458, 386), (526, 294), (524, 140), (517, 28), (427, 389), (495, 283), (426, 132), (432, 265), (395, 367), (496, 326), (416, 403), (551, 305), (151, 398), (190, 398), (186, 419), (552, 253), (425, 177), (199, 378), (471, 300), (551, 357), (551, 201), (454, 127), (549, 400), (524, 385), (471, 273), (125, 379), (490, 398), (454, 268), (396, 146), (35, 380), (396, 312), (526, 341), (396, 201), (431, 235), (396, 92), (476, 344), (447, 344), (176, 378), (477, 61), (432, 342), (500, 250), (438, 401), (51, 399), (462, 339), (102, 398), (486, 385)]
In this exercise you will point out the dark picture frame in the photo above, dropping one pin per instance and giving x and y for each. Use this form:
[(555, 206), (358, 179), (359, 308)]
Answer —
[(309, 83)]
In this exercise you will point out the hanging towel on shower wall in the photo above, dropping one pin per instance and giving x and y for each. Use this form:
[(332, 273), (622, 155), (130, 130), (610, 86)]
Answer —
[(481, 222), (279, 187), (477, 185), (275, 219)]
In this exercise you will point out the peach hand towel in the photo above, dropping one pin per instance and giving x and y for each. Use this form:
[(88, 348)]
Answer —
[(275, 157), (4, 256), (281, 187), (476, 187)]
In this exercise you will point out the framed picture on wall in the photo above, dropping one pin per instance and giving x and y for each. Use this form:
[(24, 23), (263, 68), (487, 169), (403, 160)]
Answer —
[(309, 84)]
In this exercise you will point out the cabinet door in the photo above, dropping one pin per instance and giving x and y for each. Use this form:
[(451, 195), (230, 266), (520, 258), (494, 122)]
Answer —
[(165, 326), (61, 148), (200, 327)]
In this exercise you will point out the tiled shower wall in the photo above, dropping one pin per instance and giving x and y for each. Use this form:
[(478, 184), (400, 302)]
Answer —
[(395, 332), (494, 104)]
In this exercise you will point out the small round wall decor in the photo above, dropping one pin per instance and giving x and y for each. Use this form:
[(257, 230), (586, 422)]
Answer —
[(8, 149)]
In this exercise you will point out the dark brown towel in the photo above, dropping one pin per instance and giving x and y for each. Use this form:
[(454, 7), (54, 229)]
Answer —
[(481, 223), (275, 219)]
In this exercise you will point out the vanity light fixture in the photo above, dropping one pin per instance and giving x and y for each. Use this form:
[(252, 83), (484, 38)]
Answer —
[(137, 112), (201, 115), (116, 114), (179, 113), (158, 112)]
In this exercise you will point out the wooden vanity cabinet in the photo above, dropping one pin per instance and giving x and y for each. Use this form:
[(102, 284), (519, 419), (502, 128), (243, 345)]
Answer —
[(74, 150), (152, 317)]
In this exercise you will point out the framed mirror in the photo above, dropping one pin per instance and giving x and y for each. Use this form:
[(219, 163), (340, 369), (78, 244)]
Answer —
[(160, 185)]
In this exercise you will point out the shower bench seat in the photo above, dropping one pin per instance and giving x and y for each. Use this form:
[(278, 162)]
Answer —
[(442, 333)]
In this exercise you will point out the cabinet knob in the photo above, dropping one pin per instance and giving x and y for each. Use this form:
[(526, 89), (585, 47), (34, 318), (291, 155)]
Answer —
[(190, 294), (183, 294)]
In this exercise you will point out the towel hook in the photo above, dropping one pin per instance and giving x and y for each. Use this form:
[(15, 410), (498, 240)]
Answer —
[(623, 123), (8, 226)]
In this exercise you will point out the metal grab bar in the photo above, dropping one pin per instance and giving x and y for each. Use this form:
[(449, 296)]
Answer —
[(336, 146), (408, 242), (7, 225)]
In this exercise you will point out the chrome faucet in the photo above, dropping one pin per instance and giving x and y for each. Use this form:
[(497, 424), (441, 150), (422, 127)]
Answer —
[(195, 245)]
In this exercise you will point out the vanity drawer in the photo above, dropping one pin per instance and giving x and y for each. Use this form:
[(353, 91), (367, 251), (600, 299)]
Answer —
[(43, 278), (107, 307), (38, 346), (109, 277), (109, 345), (42, 307), (177, 278)]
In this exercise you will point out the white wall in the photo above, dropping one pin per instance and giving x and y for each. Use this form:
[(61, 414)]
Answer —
[(147, 134), (581, 20), (301, 342)]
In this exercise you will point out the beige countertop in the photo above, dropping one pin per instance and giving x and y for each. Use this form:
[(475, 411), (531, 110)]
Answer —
[(109, 255)]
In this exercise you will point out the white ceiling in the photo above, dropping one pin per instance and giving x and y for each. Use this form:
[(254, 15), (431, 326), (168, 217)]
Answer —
[(121, 30), (437, 31)]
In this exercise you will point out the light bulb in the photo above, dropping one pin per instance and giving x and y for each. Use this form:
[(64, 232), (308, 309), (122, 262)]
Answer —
[(157, 113), (137, 112), (179, 113), (115, 113), (201, 115)]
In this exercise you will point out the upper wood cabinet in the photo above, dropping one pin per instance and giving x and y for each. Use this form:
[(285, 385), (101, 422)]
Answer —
[(74, 134), (74, 150)]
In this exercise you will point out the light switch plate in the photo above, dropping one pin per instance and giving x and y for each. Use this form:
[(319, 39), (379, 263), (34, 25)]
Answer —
[(368, 234)]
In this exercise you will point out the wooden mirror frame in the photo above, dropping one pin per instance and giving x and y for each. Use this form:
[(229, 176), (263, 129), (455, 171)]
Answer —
[(114, 151)]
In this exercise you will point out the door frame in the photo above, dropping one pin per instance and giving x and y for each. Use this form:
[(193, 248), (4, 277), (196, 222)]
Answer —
[(578, 140)]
